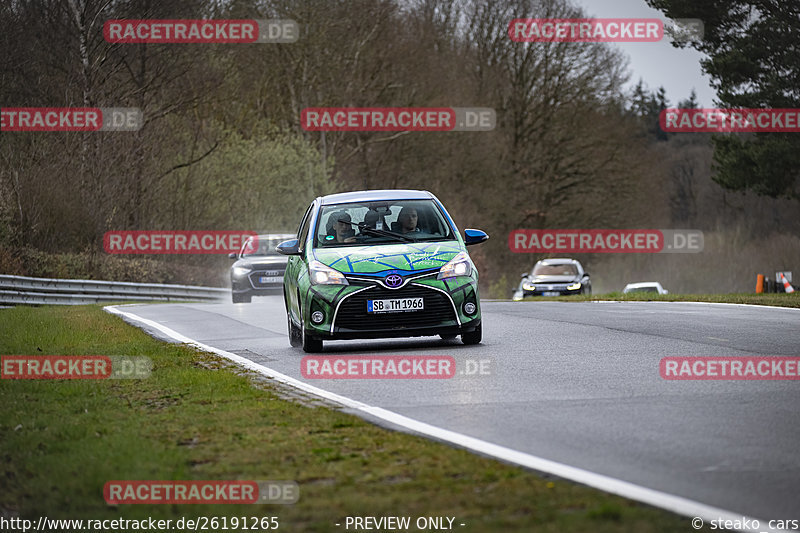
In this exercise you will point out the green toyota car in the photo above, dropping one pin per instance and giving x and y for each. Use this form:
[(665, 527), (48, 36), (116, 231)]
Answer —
[(372, 264)]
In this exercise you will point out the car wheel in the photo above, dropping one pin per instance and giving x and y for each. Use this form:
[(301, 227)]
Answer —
[(448, 336), (473, 337), (295, 338), (240, 298), (310, 344)]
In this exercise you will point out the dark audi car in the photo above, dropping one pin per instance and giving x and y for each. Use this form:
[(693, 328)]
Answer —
[(554, 277), (259, 268)]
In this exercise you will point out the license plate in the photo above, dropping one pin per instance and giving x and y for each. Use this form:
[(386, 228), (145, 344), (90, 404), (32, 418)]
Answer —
[(270, 279), (551, 293), (397, 305)]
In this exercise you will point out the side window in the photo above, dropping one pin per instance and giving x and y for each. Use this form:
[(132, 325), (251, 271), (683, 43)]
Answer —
[(302, 233)]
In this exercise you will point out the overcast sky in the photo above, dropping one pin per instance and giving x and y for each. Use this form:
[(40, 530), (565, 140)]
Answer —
[(657, 64)]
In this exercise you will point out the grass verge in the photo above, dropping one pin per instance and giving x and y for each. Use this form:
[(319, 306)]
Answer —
[(198, 417), (779, 300)]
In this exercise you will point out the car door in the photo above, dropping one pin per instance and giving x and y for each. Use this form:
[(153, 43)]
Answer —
[(294, 266)]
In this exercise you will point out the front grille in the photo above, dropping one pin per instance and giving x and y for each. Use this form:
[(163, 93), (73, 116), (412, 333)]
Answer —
[(353, 314), (255, 278), (551, 287)]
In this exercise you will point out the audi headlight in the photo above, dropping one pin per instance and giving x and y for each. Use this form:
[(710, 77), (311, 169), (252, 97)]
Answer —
[(240, 272), (574, 286), (529, 286), (460, 265), (324, 275)]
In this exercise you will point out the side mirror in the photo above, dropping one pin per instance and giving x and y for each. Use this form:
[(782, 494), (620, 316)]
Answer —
[(524, 275), (233, 255), (291, 247), (474, 236)]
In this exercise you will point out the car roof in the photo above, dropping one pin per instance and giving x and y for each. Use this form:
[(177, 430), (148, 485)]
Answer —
[(642, 284), (557, 261), (274, 235), (376, 195)]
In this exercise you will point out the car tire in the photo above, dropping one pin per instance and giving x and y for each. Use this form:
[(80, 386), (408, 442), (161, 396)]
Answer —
[(448, 336), (310, 344), (240, 298), (473, 337), (295, 337)]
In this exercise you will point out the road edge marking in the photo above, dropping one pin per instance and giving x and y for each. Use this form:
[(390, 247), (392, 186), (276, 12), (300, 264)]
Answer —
[(655, 498), (761, 306)]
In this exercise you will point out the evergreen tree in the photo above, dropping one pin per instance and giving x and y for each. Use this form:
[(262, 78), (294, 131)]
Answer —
[(754, 62)]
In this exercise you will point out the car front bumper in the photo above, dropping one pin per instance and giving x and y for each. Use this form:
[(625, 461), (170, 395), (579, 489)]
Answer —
[(346, 316), (561, 292), (251, 283), (427, 331)]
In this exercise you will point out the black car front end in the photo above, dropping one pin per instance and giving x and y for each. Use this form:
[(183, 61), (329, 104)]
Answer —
[(256, 277), (552, 288)]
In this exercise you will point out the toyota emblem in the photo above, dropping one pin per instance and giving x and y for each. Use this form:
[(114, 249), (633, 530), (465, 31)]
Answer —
[(394, 280)]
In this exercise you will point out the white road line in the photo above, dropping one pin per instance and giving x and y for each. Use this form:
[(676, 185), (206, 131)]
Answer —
[(692, 303), (669, 502), (645, 302)]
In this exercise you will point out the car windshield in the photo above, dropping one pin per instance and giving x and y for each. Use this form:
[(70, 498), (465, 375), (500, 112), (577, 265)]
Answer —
[(643, 289), (262, 245), (555, 270), (381, 222)]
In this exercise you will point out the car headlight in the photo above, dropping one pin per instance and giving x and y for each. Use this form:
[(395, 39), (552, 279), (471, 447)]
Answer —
[(241, 271), (324, 275), (460, 265), (528, 286), (574, 286)]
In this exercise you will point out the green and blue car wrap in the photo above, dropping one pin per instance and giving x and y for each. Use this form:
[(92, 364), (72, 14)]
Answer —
[(366, 269)]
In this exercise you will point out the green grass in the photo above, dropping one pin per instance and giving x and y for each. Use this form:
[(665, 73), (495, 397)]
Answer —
[(198, 417), (780, 300)]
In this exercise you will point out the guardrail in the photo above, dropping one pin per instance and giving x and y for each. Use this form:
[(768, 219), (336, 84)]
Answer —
[(16, 290)]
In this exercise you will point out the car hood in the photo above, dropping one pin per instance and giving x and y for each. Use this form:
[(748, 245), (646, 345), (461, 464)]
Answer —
[(386, 258), (262, 261), (552, 279)]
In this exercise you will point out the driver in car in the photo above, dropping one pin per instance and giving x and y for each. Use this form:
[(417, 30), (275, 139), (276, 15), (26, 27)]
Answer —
[(408, 219), (342, 228)]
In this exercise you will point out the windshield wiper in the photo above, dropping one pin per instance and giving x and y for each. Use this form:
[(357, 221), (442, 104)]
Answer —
[(369, 229), (384, 232)]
